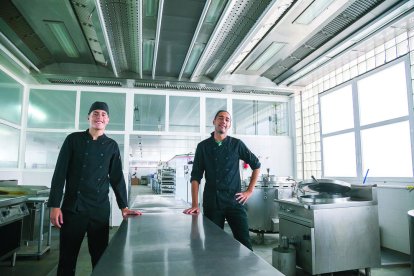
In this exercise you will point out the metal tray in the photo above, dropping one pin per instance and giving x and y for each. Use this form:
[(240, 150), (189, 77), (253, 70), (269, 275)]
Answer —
[(323, 199)]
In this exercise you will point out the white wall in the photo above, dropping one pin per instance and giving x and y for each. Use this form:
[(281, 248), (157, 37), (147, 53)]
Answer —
[(274, 152), (393, 205)]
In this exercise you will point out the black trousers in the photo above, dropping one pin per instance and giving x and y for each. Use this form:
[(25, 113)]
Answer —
[(236, 216), (74, 228)]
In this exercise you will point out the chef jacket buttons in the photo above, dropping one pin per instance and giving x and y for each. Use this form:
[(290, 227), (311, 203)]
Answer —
[(87, 141), (86, 153), (84, 166), (78, 192), (99, 179), (100, 167), (101, 154)]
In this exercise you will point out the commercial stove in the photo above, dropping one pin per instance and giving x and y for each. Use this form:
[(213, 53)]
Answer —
[(37, 223), (333, 226), (12, 212)]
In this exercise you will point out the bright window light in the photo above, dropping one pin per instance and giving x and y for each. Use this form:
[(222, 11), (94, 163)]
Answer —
[(63, 37), (313, 11), (265, 56)]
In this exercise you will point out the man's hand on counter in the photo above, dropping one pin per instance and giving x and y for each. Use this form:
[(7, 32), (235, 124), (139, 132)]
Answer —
[(127, 212), (192, 210), (56, 217)]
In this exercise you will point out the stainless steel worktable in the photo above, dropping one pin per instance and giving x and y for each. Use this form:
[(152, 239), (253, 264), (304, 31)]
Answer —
[(164, 241)]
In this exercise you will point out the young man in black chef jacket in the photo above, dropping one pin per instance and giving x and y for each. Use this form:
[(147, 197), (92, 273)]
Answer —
[(88, 163), (219, 158)]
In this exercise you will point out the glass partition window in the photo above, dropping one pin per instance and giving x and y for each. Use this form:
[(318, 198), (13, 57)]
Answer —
[(212, 106), (11, 97), (339, 102), (9, 144), (51, 109), (184, 114), (149, 112), (116, 104), (160, 148), (260, 118), (381, 99), (42, 149)]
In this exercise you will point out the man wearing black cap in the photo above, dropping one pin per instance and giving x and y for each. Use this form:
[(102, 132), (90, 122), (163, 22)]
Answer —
[(88, 163)]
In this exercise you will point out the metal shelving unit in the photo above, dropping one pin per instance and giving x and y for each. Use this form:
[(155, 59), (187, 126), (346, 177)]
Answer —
[(167, 181)]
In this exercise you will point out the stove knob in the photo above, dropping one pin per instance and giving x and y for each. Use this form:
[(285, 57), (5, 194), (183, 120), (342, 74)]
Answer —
[(5, 213)]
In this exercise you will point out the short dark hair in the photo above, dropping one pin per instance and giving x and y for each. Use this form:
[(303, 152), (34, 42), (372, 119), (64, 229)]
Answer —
[(218, 112)]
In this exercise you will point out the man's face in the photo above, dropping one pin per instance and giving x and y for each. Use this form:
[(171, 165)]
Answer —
[(222, 122), (98, 119)]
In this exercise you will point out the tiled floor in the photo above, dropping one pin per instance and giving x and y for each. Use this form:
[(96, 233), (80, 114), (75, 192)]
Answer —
[(262, 246)]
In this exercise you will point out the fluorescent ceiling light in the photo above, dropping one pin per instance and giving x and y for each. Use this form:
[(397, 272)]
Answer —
[(148, 46), (194, 57), (313, 11), (214, 11), (266, 56), (151, 7), (62, 35)]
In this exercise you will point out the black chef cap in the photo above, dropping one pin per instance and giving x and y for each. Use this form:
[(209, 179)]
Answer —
[(99, 106)]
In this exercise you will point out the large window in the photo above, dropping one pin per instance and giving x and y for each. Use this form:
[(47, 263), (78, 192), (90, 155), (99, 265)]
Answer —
[(369, 119)]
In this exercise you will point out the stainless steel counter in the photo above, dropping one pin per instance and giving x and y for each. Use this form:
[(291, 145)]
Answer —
[(164, 241)]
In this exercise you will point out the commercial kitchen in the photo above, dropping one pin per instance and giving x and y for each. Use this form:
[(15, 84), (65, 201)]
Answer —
[(321, 91)]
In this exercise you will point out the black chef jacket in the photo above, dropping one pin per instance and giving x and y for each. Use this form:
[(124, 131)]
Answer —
[(87, 167), (221, 167)]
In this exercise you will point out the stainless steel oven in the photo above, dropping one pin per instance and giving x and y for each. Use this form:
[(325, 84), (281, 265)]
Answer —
[(338, 235), (12, 212)]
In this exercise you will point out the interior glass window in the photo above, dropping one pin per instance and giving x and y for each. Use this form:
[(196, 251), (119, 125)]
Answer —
[(260, 118), (149, 112), (184, 114), (9, 144), (51, 109), (11, 97), (42, 149)]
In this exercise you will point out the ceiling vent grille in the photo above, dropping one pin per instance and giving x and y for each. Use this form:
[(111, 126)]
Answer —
[(179, 86), (261, 92), (86, 82)]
